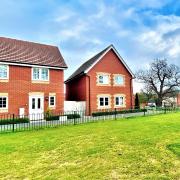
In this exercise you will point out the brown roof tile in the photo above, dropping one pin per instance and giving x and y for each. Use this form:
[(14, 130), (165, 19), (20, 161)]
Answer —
[(23, 52)]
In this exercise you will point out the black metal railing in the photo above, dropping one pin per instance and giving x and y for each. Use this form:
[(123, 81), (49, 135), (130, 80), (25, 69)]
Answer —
[(14, 123)]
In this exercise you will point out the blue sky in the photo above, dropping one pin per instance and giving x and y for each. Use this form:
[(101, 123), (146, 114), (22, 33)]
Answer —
[(141, 30)]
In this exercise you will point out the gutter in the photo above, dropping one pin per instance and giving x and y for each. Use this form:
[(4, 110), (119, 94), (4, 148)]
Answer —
[(89, 93)]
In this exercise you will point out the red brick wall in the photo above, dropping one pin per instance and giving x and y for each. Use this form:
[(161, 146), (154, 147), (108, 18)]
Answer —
[(20, 85), (178, 100), (110, 64), (78, 89)]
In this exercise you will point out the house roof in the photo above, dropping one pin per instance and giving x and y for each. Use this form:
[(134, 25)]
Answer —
[(84, 68), (30, 53)]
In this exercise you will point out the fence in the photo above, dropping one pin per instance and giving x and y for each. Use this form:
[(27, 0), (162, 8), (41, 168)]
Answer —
[(13, 123)]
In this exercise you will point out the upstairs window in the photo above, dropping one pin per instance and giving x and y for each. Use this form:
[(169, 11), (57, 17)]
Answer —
[(3, 71), (44, 74), (103, 79), (119, 80), (41, 74)]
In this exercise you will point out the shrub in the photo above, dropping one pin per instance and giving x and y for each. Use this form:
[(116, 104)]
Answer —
[(52, 118), (56, 117), (73, 116), (15, 121), (137, 103), (105, 113)]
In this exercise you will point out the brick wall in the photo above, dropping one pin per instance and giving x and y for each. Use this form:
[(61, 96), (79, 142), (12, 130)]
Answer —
[(20, 85), (110, 64), (78, 89), (178, 100)]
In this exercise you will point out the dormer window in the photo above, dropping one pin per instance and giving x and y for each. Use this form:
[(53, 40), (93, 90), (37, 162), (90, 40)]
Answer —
[(4, 71), (40, 74)]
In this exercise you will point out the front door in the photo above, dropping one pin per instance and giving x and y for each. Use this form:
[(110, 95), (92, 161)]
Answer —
[(36, 107)]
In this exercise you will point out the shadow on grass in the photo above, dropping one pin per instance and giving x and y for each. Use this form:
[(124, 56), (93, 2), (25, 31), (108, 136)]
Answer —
[(175, 148)]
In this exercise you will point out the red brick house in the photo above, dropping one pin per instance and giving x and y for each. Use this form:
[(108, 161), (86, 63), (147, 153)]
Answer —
[(104, 82), (178, 99), (31, 77)]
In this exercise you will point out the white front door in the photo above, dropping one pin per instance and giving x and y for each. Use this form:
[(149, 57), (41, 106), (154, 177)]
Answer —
[(36, 107)]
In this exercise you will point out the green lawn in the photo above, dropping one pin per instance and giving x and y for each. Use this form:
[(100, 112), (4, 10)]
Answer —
[(134, 148)]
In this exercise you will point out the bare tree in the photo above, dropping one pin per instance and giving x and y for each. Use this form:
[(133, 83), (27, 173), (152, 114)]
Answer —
[(160, 78), (147, 91)]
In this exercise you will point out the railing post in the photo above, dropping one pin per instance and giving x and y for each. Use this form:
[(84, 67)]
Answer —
[(165, 110), (115, 111), (74, 118), (13, 123)]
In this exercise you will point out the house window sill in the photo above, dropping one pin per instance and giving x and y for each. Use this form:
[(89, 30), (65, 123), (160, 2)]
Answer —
[(104, 107), (3, 110), (103, 85), (124, 106), (52, 107), (118, 85), (4, 80), (40, 82)]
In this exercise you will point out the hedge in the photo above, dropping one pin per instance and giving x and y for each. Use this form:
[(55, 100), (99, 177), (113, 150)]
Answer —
[(69, 116), (15, 121), (52, 118), (118, 112), (73, 116)]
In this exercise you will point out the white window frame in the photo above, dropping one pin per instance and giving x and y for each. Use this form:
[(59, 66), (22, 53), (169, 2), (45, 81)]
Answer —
[(104, 106), (115, 83), (124, 101), (4, 108), (40, 74), (6, 78), (52, 106), (103, 83)]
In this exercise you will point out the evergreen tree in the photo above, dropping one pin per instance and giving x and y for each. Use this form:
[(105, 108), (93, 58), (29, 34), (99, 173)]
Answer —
[(137, 104)]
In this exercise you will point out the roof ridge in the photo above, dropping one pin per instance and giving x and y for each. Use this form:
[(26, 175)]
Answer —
[(93, 59), (26, 41), (20, 51), (97, 54)]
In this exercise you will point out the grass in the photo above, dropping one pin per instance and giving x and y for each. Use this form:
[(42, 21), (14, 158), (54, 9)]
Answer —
[(134, 148)]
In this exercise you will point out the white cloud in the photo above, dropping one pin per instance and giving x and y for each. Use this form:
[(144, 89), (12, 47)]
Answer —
[(140, 34), (162, 40), (63, 17)]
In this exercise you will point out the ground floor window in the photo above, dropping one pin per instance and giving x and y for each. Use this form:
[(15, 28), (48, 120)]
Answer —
[(119, 101), (3, 102), (103, 101), (52, 101)]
